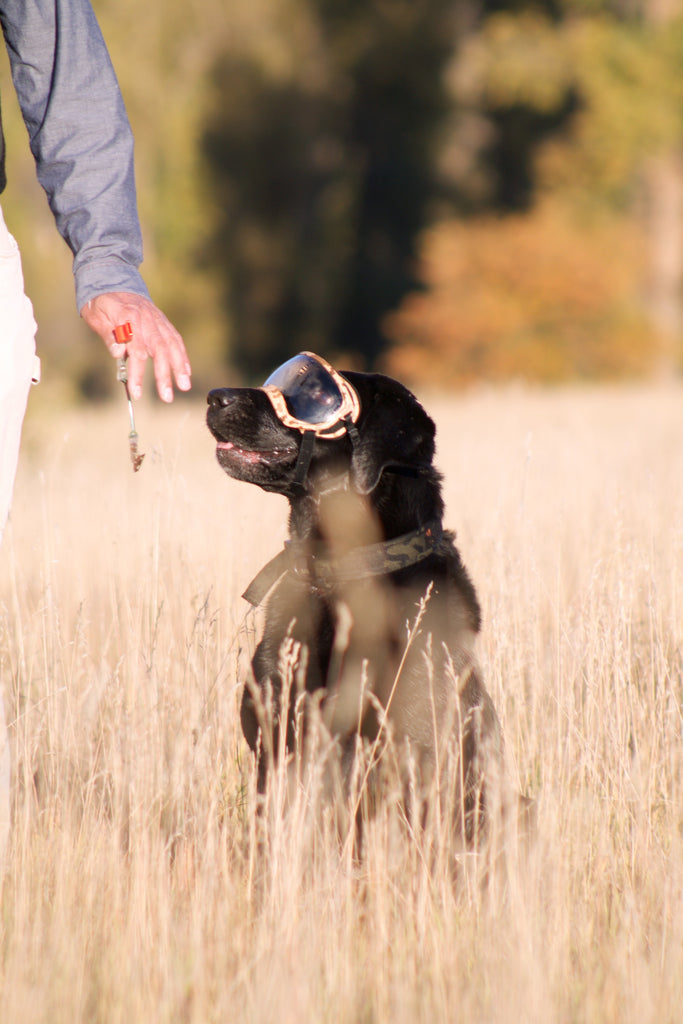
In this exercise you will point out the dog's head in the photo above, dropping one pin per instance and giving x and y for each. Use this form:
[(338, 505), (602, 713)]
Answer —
[(358, 425)]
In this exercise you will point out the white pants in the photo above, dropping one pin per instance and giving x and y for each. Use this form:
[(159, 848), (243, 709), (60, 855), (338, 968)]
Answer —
[(17, 355)]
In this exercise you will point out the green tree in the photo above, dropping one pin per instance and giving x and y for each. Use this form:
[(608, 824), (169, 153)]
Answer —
[(322, 151), (162, 52), (577, 108)]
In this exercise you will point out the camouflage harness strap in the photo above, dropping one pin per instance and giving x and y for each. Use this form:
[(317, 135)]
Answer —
[(372, 560)]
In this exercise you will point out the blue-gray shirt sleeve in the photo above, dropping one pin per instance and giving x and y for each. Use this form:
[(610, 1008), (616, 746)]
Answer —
[(80, 138)]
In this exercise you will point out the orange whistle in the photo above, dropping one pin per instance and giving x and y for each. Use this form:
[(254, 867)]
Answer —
[(123, 333)]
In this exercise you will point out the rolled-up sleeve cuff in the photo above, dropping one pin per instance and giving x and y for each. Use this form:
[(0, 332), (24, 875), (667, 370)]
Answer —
[(108, 275)]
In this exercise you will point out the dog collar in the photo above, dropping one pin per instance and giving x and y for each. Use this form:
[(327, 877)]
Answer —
[(372, 560)]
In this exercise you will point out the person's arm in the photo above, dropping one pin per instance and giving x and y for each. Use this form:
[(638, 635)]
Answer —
[(82, 143)]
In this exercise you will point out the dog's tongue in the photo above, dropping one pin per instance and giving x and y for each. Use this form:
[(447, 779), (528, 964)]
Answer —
[(225, 445)]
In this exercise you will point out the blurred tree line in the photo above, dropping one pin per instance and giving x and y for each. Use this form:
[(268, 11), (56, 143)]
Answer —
[(450, 189)]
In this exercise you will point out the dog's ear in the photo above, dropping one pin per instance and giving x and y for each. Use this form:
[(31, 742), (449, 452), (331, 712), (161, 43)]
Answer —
[(394, 432)]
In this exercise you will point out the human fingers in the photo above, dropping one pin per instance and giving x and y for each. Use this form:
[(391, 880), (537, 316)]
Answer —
[(152, 336), (155, 338)]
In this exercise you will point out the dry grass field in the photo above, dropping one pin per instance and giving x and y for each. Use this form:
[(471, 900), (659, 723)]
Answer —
[(139, 884)]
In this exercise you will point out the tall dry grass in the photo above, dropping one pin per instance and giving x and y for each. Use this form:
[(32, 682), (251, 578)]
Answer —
[(139, 885)]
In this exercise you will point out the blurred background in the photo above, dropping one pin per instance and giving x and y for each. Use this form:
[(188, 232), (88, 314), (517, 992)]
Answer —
[(448, 190)]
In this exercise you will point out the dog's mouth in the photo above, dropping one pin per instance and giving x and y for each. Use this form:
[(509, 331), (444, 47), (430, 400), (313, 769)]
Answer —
[(230, 452)]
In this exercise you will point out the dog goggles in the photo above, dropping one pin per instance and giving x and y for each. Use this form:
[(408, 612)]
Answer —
[(309, 395)]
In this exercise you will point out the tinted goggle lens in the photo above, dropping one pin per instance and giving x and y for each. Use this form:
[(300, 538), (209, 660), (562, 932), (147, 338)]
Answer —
[(310, 391), (309, 395)]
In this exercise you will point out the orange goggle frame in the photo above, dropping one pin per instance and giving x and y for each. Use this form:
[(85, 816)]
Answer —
[(309, 395)]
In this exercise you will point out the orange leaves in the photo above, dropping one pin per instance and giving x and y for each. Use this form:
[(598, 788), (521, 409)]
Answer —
[(542, 296)]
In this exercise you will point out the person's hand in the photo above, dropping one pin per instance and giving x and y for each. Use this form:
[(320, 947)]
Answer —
[(153, 337)]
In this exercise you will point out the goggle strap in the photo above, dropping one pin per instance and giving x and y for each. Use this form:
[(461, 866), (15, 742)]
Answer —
[(352, 431), (399, 470), (304, 458)]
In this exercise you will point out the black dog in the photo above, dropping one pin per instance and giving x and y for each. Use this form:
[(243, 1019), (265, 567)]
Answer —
[(371, 589)]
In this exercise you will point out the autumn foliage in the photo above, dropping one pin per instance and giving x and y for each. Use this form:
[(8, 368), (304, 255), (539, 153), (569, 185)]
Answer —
[(543, 296), (302, 165)]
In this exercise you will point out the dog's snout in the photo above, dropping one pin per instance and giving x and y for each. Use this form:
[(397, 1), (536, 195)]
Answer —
[(219, 397)]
